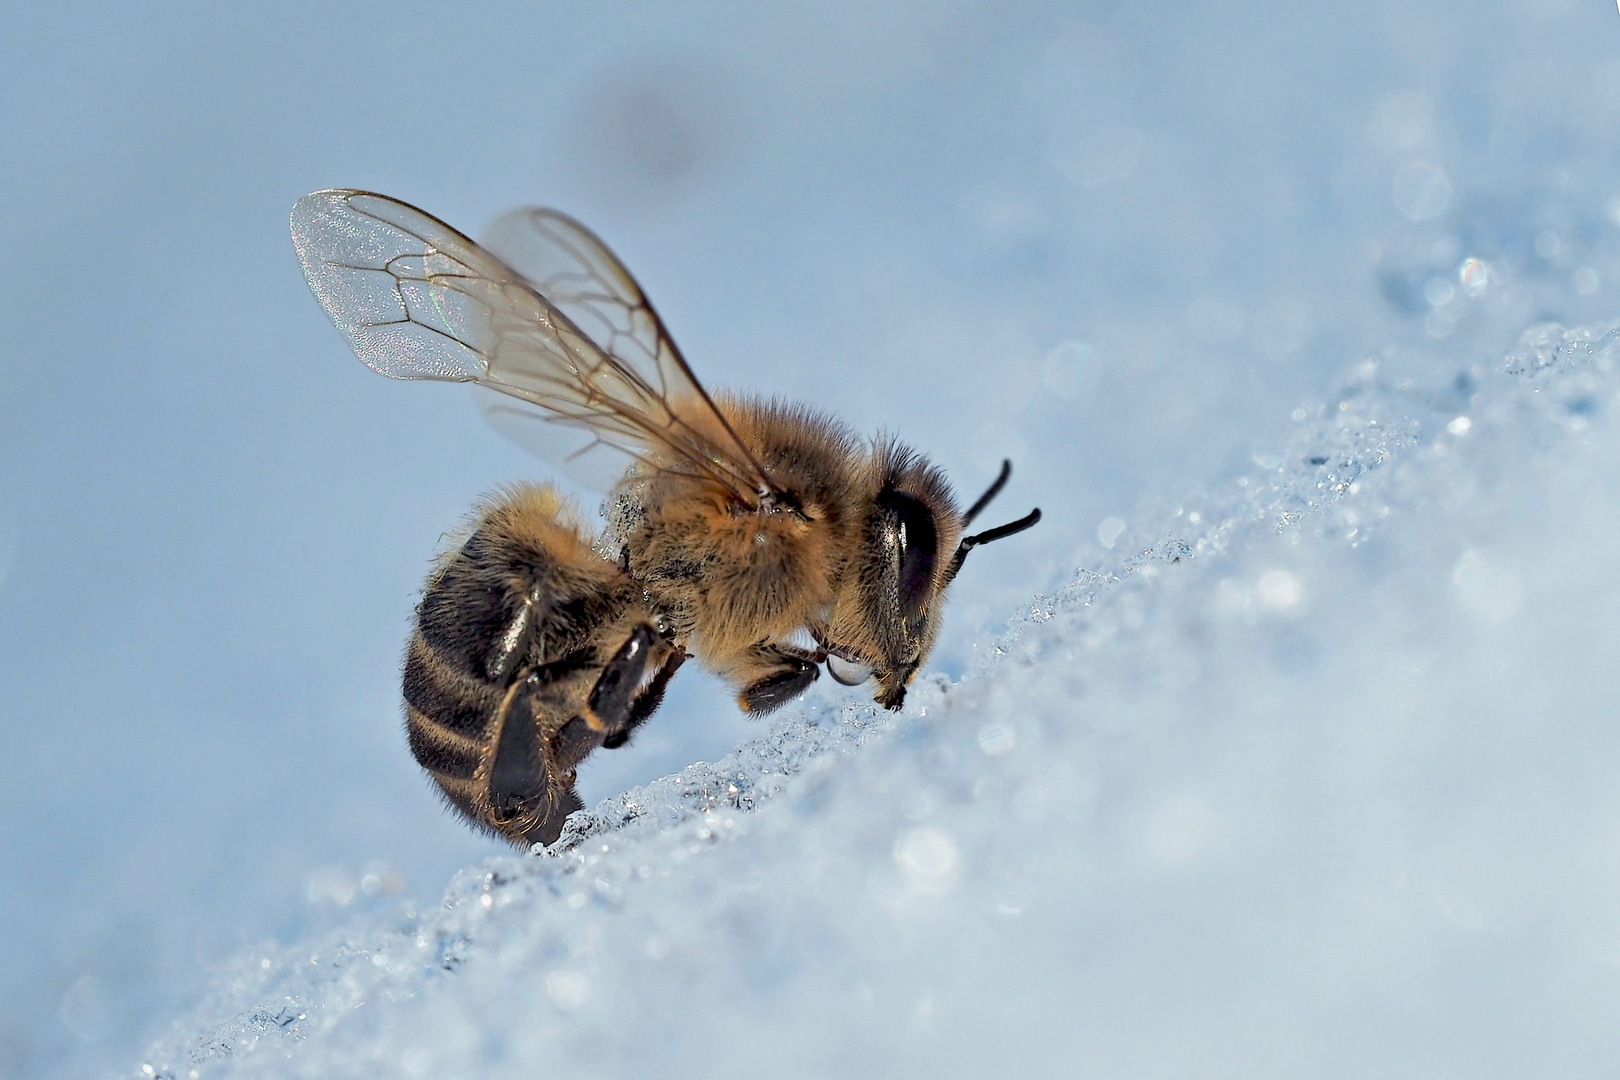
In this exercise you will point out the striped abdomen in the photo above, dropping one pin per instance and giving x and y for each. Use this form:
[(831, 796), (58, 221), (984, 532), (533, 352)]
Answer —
[(511, 633)]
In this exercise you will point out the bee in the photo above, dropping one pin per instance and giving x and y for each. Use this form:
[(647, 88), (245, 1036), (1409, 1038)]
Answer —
[(763, 539)]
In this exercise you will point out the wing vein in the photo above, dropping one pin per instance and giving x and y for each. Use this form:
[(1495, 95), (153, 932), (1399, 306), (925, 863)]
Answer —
[(543, 315)]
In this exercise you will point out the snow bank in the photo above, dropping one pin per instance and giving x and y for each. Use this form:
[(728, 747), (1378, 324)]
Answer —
[(1311, 776)]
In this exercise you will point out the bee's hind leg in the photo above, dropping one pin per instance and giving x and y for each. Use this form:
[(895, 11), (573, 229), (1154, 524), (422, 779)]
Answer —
[(528, 796), (531, 783)]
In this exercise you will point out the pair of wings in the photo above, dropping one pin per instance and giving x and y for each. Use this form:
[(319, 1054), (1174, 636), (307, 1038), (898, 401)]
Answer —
[(569, 355)]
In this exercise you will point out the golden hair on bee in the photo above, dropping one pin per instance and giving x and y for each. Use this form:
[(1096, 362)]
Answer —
[(737, 527), (504, 695)]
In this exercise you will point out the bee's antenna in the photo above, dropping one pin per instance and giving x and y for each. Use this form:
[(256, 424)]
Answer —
[(990, 493), (997, 533)]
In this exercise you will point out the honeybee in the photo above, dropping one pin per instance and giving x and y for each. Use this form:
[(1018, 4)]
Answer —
[(763, 539)]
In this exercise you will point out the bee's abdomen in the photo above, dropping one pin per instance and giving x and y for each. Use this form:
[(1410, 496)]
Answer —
[(505, 642), (447, 712)]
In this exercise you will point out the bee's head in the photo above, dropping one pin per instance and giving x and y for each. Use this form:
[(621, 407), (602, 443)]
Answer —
[(911, 547)]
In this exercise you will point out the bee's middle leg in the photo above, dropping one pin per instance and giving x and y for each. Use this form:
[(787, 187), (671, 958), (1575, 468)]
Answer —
[(621, 700)]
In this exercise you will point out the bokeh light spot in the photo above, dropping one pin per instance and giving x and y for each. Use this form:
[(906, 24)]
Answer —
[(928, 860), (1422, 190), (1486, 588)]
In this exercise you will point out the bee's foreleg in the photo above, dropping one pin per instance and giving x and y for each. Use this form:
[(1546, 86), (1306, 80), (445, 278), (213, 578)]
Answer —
[(780, 674)]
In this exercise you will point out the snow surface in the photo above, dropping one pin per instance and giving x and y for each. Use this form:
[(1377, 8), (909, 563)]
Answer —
[(1320, 782)]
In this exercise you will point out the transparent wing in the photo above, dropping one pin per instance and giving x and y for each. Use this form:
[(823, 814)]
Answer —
[(419, 300), (570, 266), (582, 454)]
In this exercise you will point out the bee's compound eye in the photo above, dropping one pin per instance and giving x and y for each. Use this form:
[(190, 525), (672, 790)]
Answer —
[(847, 671)]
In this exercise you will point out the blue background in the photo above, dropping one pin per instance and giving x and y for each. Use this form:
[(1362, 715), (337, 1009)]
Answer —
[(1117, 245)]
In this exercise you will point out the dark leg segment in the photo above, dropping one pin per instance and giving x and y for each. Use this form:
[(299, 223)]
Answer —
[(513, 643), (517, 776), (523, 796), (529, 792), (550, 823), (577, 739), (647, 701), (573, 743), (793, 676), (608, 707)]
